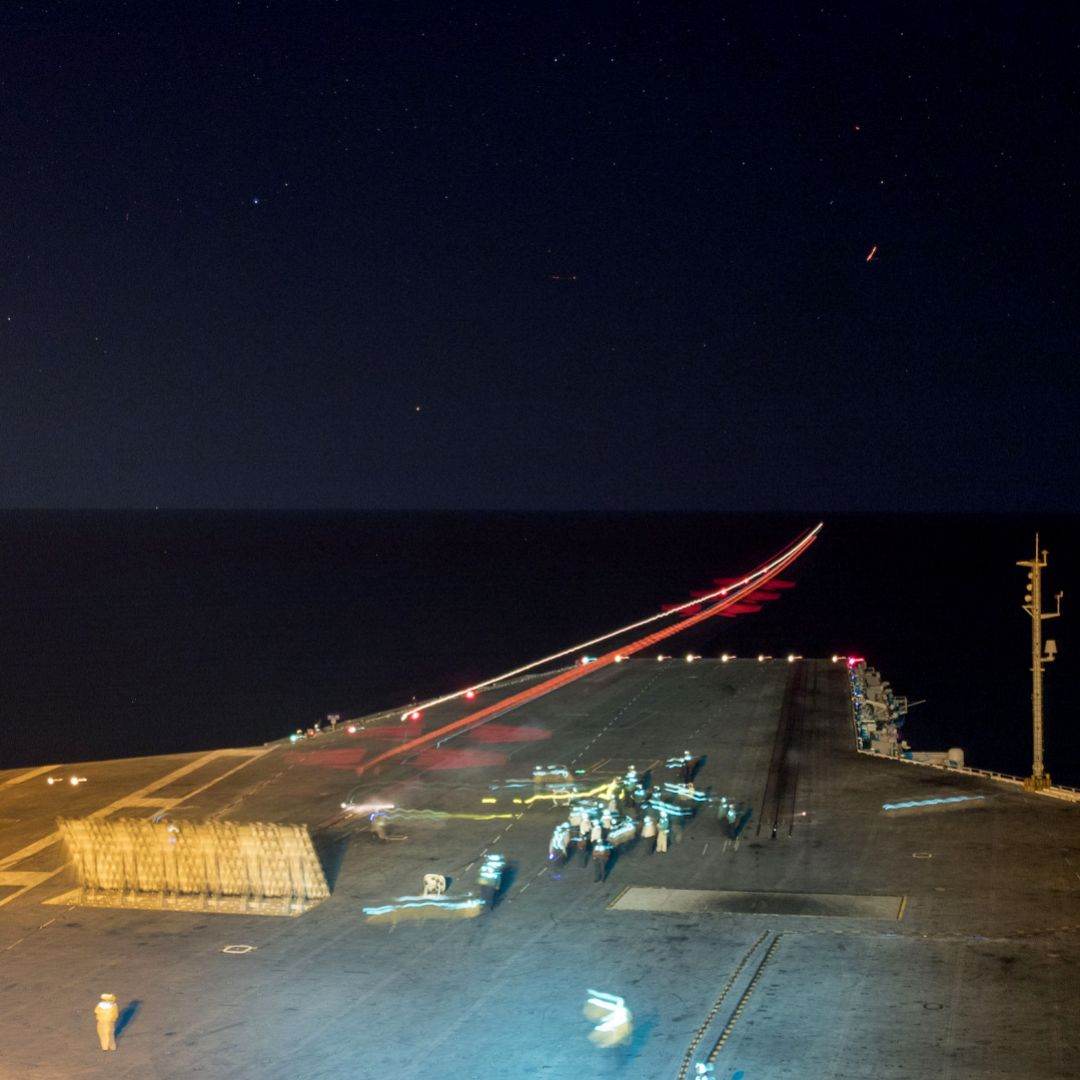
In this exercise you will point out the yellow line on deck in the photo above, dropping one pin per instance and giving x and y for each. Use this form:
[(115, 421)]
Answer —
[(29, 775), (134, 800)]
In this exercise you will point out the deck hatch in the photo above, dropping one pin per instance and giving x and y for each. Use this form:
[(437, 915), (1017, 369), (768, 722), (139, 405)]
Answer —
[(728, 902)]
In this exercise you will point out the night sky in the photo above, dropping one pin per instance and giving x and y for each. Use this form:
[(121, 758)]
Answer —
[(538, 256)]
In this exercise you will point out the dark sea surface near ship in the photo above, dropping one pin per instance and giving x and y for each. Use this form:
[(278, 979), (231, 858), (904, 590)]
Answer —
[(129, 633)]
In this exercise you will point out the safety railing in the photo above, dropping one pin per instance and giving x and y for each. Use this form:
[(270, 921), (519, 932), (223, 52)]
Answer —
[(1055, 791)]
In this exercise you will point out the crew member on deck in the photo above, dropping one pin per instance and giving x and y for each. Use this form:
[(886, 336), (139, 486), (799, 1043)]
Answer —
[(106, 1014)]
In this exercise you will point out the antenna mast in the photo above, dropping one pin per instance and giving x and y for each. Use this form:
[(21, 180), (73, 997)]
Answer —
[(1039, 780)]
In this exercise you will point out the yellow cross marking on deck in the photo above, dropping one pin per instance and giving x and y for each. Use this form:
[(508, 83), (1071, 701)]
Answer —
[(137, 799)]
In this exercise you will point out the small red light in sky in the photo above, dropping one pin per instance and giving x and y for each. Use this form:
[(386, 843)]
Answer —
[(873, 254), (858, 127)]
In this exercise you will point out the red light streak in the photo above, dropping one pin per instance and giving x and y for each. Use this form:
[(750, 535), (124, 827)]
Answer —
[(756, 578)]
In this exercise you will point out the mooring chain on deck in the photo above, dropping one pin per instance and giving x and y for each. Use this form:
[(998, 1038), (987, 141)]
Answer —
[(688, 1059), (715, 1052)]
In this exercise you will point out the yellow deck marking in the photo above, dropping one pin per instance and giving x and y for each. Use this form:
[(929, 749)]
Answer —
[(28, 775), (22, 877), (137, 799), (26, 852), (41, 878), (218, 779)]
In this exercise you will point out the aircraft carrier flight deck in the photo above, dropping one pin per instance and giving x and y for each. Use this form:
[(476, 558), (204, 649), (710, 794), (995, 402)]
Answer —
[(819, 912)]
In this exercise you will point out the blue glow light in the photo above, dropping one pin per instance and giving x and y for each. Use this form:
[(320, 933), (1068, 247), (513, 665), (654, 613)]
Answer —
[(405, 902), (931, 802), (685, 791)]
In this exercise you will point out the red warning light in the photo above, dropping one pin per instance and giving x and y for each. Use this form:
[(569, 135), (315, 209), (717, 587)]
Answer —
[(470, 694), (414, 715)]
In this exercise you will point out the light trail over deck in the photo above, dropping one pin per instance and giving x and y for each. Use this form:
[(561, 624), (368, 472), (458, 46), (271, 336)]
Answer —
[(885, 919)]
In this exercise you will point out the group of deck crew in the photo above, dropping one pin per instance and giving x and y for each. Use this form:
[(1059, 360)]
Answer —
[(632, 810)]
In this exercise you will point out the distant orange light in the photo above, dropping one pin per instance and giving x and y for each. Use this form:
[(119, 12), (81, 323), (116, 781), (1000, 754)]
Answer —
[(873, 254)]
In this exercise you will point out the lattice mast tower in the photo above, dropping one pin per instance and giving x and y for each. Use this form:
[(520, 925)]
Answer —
[(1039, 779)]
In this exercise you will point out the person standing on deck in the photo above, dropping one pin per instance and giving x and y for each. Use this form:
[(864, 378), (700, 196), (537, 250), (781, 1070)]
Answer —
[(601, 854), (106, 1014), (663, 833), (648, 834), (579, 841), (378, 826)]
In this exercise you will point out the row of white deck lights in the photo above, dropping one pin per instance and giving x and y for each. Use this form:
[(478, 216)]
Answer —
[(761, 657), (724, 657), (470, 695)]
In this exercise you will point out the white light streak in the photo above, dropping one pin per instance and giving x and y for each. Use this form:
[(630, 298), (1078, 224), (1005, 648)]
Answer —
[(745, 584)]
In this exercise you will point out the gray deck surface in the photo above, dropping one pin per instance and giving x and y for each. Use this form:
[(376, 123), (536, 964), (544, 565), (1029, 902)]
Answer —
[(977, 979)]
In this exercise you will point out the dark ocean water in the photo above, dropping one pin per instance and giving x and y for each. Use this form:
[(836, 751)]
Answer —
[(134, 633)]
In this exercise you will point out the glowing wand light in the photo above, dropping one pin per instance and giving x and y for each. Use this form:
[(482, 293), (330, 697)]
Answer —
[(614, 1024)]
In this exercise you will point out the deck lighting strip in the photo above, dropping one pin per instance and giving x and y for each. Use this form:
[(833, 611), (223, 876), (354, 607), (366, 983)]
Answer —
[(931, 802)]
